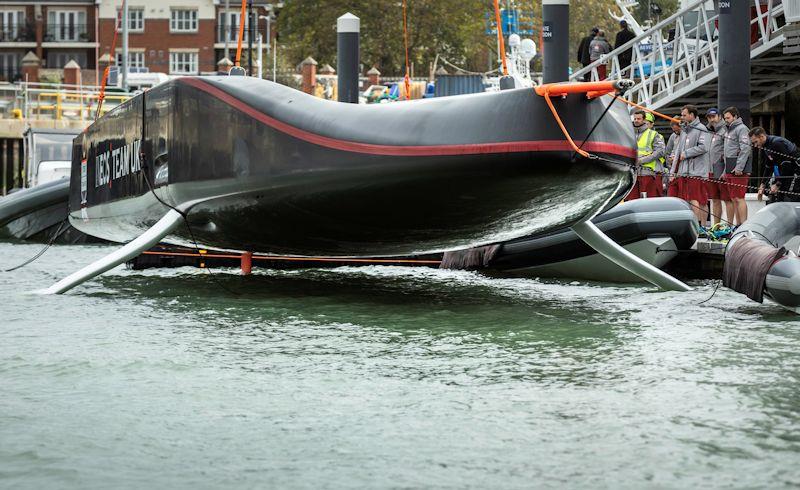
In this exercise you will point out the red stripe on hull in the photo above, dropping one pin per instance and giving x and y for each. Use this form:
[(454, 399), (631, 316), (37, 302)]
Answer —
[(391, 150)]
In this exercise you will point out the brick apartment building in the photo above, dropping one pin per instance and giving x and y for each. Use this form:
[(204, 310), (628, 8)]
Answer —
[(178, 37), (169, 36), (56, 31)]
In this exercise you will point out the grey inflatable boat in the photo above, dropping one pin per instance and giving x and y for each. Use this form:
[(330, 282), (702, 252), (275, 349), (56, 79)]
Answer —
[(775, 230)]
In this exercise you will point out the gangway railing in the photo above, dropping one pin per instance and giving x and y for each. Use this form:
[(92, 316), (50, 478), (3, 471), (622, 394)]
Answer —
[(58, 101), (684, 54)]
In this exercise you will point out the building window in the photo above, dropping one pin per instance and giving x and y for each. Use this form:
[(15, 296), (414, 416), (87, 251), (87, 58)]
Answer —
[(183, 63), (135, 18), (12, 25), (228, 27), (135, 60), (10, 66), (57, 59), (66, 25), (183, 20)]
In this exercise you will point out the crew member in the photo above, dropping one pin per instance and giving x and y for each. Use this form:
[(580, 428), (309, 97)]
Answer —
[(781, 157), (738, 164), (675, 125), (583, 51), (717, 190), (623, 36), (690, 163), (649, 160)]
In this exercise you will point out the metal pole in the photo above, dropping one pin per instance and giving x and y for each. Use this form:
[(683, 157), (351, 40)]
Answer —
[(250, 37), (226, 28), (260, 57), (275, 64), (269, 36), (555, 31), (734, 57), (124, 45), (348, 28)]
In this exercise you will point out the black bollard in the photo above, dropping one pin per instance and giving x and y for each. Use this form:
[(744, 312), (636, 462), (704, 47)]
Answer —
[(555, 33), (348, 29), (734, 57)]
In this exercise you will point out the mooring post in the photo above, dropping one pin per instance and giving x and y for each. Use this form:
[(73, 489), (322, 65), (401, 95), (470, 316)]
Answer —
[(348, 28), (734, 57), (555, 35), (247, 263)]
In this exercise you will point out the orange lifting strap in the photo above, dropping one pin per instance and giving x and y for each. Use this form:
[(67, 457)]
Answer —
[(591, 89)]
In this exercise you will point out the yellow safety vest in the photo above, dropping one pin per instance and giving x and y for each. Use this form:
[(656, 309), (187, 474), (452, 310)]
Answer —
[(645, 147)]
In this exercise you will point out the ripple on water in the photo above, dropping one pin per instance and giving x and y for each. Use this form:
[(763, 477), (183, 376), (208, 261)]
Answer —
[(383, 376)]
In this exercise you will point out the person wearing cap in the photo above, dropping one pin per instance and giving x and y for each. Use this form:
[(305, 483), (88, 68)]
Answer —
[(717, 189), (650, 158), (690, 163), (738, 156), (623, 36), (584, 56)]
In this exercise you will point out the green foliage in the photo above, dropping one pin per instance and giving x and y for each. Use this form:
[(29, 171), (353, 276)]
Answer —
[(454, 29)]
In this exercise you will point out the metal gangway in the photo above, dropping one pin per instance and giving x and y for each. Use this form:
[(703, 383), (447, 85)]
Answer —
[(680, 64)]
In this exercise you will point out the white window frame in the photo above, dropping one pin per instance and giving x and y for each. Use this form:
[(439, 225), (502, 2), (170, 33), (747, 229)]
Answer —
[(12, 22), (233, 20), (64, 33), (135, 21), (183, 20), (135, 59), (178, 60)]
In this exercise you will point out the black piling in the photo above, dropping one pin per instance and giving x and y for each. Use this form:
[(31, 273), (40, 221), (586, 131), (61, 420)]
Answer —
[(734, 56), (555, 34), (348, 28)]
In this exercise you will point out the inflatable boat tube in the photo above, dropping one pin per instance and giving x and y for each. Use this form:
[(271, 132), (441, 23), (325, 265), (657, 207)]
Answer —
[(776, 226), (653, 229)]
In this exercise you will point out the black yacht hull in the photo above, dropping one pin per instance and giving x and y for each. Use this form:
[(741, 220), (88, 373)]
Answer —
[(265, 168), (39, 214)]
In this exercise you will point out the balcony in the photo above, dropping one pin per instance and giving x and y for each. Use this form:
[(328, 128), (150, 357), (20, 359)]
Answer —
[(17, 33), (75, 33)]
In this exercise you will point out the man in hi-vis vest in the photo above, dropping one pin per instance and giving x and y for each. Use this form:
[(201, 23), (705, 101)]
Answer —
[(650, 159)]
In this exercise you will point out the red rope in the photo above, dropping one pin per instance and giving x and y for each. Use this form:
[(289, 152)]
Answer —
[(500, 37), (108, 68), (407, 80), (241, 32)]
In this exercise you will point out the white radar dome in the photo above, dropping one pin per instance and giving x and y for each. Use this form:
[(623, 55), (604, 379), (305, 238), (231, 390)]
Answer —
[(513, 40), (527, 49)]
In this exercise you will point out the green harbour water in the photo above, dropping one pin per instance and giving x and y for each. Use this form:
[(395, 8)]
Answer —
[(382, 377)]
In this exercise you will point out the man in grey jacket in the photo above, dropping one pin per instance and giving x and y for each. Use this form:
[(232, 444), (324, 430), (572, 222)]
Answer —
[(690, 163), (738, 163), (716, 188)]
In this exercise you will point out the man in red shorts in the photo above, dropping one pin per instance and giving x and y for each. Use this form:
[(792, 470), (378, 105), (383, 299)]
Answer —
[(716, 188), (738, 163), (690, 163), (650, 160)]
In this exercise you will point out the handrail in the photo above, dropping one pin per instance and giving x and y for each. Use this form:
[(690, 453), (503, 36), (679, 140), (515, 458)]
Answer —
[(673, 69)]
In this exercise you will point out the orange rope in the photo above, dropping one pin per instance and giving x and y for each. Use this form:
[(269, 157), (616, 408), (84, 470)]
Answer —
[(108, 68), (241, 32), (579, 151), (634, 104), (593, 88), (500, 37), (405, 40)]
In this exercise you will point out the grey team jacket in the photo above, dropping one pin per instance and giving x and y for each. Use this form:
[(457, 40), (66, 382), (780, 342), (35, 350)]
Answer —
[(693, 146), (738, 151)]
